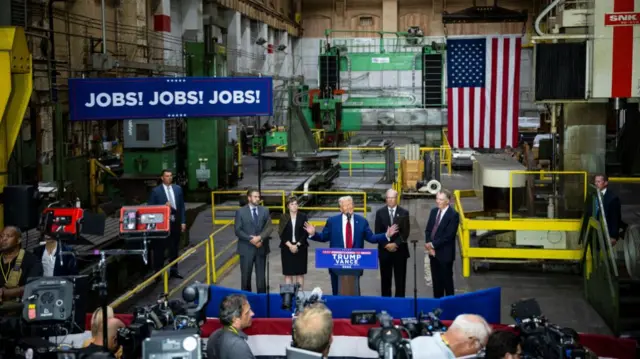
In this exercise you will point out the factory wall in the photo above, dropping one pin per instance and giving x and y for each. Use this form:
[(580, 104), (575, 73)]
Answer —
[(399, 15)]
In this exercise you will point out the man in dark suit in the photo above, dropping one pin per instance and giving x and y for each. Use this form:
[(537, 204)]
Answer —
[(612, 208), (171, 195), (253, 228), (394, 254), (50, 254), (440, 235), (347, 230)]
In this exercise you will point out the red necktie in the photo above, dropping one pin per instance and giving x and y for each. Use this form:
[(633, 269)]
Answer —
[(349, 235), (435, 226)]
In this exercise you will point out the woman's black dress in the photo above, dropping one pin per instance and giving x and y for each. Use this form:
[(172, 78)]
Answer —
[(294, 263)]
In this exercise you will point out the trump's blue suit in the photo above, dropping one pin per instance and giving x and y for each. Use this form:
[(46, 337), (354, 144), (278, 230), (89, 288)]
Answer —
[(333, 233)]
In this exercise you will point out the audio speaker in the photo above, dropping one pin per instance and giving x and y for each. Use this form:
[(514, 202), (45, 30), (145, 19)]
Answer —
[(21, 207)]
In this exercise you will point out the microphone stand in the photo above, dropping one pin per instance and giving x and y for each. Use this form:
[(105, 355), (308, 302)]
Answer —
[(415, 279), (268, 286)]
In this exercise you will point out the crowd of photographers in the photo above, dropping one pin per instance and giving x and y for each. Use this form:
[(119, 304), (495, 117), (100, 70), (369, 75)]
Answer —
[(469, 336)]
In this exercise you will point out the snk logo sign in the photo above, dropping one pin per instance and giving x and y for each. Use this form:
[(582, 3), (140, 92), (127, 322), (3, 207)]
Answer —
[(617, 19)]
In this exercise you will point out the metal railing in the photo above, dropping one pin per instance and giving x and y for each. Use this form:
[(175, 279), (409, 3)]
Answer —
[(211, 271), (215, 207), (469, 224)]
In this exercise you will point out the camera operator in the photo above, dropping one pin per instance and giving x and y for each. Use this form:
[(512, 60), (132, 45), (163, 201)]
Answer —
[(466, 336), (97, 346), (230, 342), (503, 344), (313, 329), (16, 265)]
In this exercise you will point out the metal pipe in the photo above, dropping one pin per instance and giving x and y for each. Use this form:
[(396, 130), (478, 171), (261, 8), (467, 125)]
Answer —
[(554, 184), (562, 37), (104, 27), (544, 13)]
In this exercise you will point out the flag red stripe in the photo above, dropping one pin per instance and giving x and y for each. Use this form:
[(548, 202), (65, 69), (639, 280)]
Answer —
[(450, 129), (472, 118), (483, 104), (516, 94), (494, 90), (506, 46), (461, 127), (622, 53)]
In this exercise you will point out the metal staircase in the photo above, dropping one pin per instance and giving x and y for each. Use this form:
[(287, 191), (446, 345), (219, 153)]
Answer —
[(432, 77)]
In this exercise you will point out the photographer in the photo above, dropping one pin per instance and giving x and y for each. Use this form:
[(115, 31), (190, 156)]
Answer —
[(97, 346), (466, 336), (503, 345), (230, 342), (313, 329)]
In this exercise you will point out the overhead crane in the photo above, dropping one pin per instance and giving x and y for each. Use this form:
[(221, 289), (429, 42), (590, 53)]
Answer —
[(16, 78)]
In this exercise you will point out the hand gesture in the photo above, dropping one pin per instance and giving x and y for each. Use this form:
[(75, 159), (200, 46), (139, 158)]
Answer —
[(293, 248), (391, 231), (255, 240), (310, 228), (391, 247)]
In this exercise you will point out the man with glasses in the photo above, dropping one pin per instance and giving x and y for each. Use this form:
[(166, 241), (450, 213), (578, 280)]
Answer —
[(467, 335), (393, 255)]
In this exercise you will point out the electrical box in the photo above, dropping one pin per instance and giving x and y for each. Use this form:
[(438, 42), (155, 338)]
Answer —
[(544, 239), (154, 133)]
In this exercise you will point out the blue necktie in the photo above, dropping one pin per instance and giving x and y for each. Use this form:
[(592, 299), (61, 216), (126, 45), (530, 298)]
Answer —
[(255, 216)]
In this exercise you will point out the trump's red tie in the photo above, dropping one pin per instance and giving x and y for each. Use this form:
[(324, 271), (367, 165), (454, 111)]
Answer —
[(349, 235)]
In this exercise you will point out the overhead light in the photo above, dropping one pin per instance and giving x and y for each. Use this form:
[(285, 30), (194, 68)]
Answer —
[(281, 48), (261, 41)]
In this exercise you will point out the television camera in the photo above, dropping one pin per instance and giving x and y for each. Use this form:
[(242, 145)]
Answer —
[(541, 339), (387, 340), (425, 324), (302, 300), (162, 319)]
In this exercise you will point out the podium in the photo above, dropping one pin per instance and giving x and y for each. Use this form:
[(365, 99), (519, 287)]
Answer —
[(348, 265)]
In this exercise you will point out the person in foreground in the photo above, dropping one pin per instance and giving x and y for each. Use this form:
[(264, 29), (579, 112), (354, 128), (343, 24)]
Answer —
[(503, 344), (97, 346), (440, 236), (230, 342), (347, 230), (313, 329), (466, 336)]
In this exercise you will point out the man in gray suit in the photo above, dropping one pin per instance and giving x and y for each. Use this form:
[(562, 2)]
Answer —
[(253, 229)]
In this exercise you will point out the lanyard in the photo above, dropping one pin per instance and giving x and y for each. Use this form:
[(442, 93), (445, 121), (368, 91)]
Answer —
[(5, 275), (233, 330)]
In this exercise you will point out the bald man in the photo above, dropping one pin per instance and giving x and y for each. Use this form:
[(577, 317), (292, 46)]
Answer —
[(112, 335), (313, 329), (393, 255)]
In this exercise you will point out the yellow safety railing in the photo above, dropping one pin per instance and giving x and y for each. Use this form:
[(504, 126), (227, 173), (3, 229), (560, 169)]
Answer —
[(214, 207), (362, 209), (469, 224), (446, 156), (547, 175), (211, 272), (239, 159), (624, 179)]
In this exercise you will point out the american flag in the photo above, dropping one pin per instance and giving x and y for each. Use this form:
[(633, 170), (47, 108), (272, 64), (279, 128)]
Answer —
[(483, 91)]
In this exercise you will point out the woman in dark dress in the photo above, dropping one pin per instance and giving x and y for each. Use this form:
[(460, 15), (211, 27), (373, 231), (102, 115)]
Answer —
[(293, 244)]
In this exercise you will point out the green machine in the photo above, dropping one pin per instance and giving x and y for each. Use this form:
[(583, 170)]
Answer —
[(340, 105)]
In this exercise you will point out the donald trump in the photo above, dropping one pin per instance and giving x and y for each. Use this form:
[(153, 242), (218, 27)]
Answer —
[(347, 230)]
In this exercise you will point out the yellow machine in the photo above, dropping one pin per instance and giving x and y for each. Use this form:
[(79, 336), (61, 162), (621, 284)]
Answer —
[(16, 83)]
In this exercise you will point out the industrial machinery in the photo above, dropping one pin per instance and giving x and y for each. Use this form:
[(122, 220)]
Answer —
[(17, 83), (587, 74)]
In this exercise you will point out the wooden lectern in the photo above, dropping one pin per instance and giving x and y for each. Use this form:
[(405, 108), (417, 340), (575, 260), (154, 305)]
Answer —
[(348, 281)]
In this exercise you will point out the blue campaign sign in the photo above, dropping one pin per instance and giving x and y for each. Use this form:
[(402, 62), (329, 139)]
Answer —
[(342, 258), (169, 97)]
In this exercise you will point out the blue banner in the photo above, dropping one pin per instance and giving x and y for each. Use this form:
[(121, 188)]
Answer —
[(342, 258), (169, 97)]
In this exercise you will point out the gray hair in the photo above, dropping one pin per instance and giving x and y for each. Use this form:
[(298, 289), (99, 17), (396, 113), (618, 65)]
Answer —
[(345, 198), (392, 193), (447, 194), (472, 326), (313, 328)]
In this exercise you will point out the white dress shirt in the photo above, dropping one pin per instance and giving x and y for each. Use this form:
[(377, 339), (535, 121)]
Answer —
[(293, 230), (49, 261), (168, 190)]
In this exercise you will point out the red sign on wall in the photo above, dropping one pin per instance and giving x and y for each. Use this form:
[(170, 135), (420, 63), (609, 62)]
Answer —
[(622, 18)]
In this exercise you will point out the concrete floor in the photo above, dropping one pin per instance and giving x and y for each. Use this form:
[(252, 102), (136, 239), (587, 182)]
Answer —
[(560, 295)]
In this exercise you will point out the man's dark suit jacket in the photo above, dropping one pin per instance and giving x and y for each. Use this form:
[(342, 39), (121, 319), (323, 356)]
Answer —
[(404, 228), (158, 197), (612, 211), (444, 241), (69, 264)]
